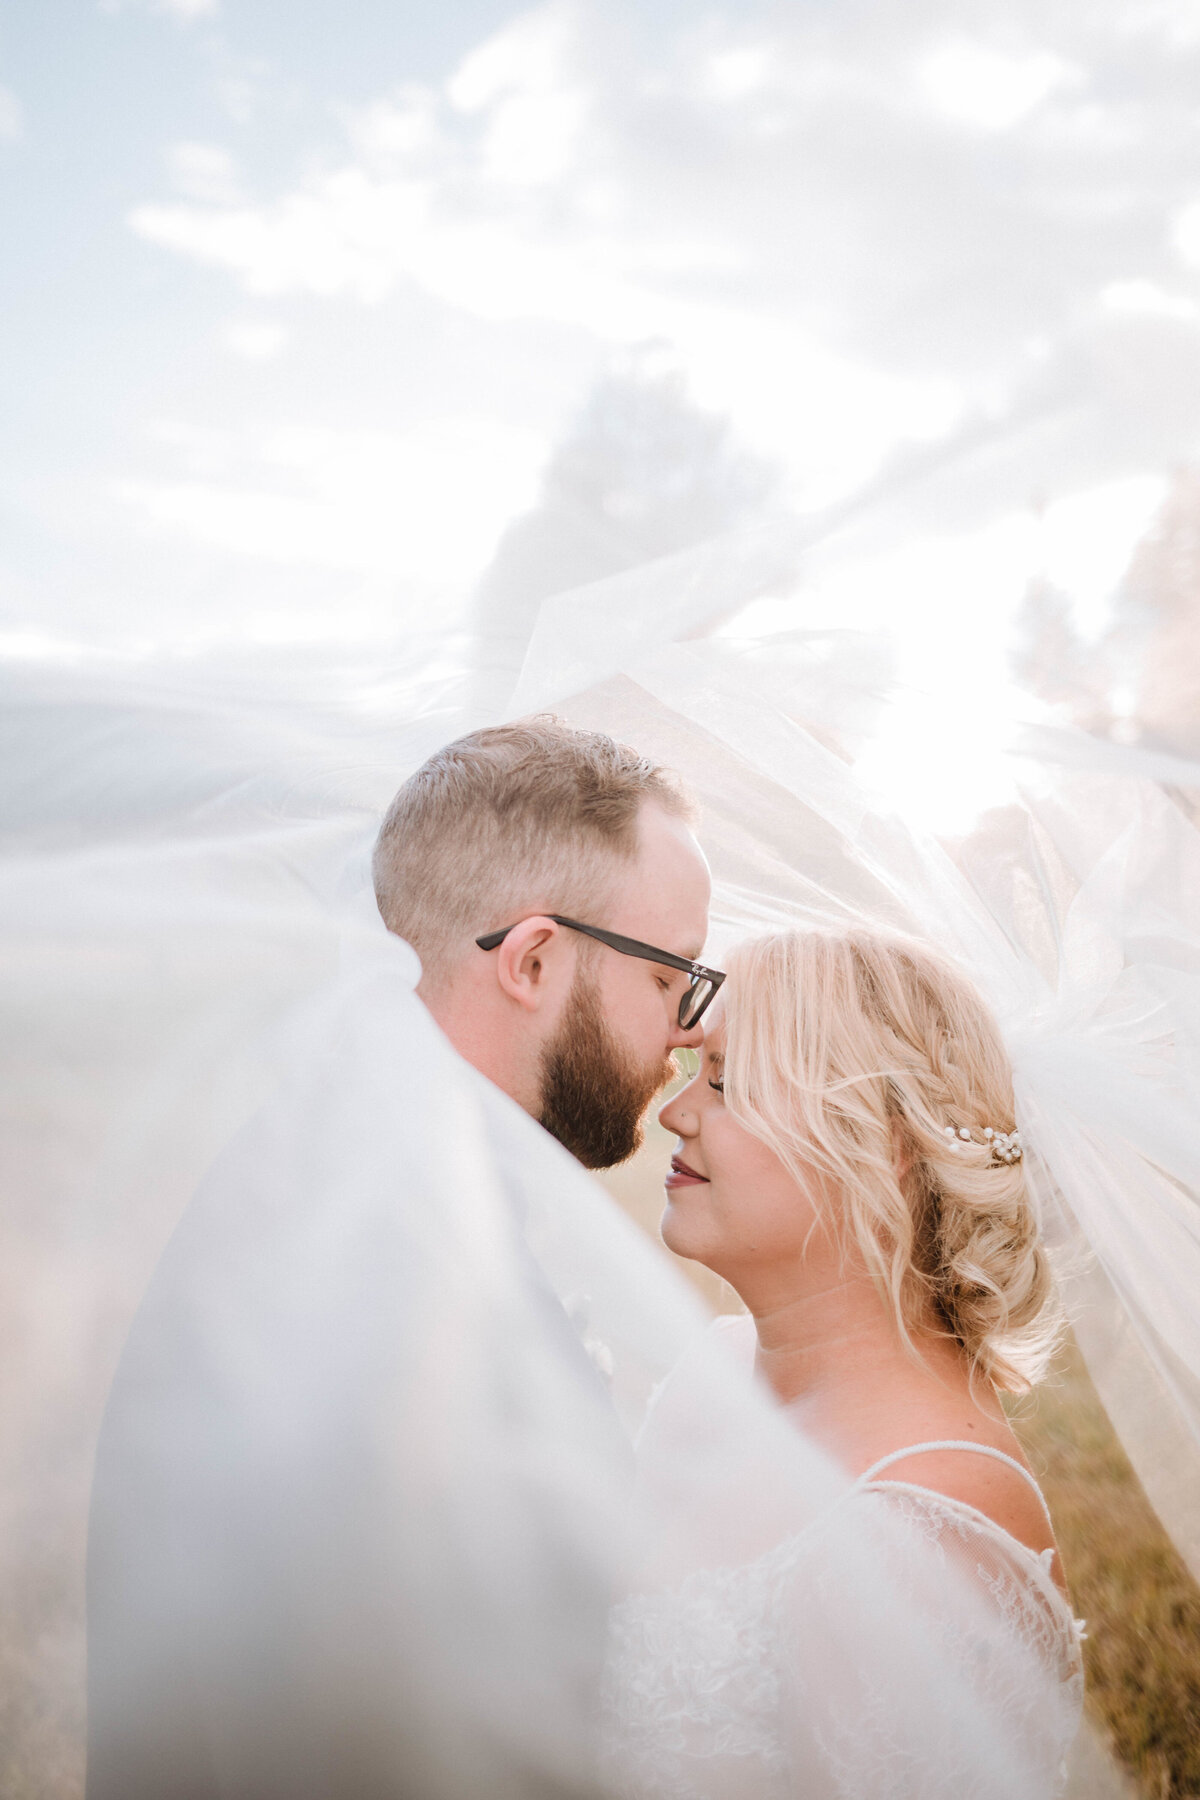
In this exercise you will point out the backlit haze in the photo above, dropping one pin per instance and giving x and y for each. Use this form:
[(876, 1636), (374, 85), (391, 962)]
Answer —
[(301, 301)]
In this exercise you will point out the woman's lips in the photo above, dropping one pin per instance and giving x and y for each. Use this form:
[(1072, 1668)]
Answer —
[(682, 1176)]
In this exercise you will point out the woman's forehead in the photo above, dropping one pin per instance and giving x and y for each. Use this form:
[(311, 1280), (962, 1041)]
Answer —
[(714, 1028)]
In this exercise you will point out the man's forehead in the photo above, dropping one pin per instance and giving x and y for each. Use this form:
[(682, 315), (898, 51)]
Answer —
[(663, 894), (668, 842)]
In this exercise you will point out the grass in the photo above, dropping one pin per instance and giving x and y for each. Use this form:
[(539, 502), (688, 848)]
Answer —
[(1142, 1652)]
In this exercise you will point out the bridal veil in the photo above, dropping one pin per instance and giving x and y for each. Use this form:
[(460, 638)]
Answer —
[(200, 1000)]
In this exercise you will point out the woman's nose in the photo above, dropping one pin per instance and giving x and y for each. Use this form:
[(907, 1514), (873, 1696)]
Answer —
[(677, 1116)]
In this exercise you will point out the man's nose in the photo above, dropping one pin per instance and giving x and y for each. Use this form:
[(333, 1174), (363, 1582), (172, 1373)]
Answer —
[(689, 1038)]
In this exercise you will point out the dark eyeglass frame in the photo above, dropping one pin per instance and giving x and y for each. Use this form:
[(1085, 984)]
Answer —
[(689, 1015)]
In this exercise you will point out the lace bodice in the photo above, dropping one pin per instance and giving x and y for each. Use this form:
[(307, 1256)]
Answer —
[(756, 1682)]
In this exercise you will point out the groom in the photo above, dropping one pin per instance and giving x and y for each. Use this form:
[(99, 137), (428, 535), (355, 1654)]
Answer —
[(485, 853), (551, 886)]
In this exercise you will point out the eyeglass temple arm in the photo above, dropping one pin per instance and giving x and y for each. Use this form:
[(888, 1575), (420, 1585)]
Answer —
[(648, 952), (627, 946)]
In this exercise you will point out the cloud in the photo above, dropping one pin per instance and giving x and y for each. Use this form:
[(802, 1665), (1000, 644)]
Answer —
[(12, 117), (736, 73), (857, 232), (185, 11), (1185, 234), (1175, 23), (204, 172), (524, 82), (989, 89), (489, 196), (424, 506), (258, 340), (1148, 299)]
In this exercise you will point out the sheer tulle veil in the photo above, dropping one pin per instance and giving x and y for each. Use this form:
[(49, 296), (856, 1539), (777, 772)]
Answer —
[(198, 995)]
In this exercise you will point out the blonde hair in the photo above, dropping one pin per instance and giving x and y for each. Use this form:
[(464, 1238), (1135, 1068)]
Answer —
[(851, 1053), (530, 817)]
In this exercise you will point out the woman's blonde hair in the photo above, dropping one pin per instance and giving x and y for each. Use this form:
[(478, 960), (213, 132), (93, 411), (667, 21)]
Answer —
[(851, 1053)]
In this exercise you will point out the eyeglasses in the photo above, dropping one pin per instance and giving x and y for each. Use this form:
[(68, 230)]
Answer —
[(699, 995)]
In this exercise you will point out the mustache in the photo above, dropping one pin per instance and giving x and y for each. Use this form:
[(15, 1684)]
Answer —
[(656, 1082), (671, 1071)]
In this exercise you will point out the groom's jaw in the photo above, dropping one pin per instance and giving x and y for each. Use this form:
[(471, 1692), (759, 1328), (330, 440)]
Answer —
[(595, 1096)]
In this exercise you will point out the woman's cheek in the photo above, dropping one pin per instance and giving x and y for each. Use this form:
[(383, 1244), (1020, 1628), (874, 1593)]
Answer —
[(771, 1219)]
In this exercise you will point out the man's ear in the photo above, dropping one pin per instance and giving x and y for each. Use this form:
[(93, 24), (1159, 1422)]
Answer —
[(530, 962)]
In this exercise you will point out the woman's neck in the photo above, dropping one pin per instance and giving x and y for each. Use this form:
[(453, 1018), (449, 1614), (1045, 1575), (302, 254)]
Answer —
[(832, 1352), (827, 1335)]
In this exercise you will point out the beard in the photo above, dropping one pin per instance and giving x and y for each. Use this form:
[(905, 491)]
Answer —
[(594, 1095)]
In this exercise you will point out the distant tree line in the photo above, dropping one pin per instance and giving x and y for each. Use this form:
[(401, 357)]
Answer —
[(1140, 682)]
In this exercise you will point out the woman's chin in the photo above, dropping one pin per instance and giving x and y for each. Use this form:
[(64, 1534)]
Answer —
[(677, 1237), (669, 1230)]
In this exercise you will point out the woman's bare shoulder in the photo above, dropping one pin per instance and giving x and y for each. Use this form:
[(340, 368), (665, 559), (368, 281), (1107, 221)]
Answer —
[(991, 1487)]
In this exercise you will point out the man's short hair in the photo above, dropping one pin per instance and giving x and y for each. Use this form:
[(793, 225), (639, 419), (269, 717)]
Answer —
[(512, 820)]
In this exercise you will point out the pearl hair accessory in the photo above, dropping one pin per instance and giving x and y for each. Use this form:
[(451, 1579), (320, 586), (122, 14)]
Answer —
[(1005, 1145)]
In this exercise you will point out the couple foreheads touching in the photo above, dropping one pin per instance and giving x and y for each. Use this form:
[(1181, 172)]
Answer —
[(847, 1159), (358, 1517)]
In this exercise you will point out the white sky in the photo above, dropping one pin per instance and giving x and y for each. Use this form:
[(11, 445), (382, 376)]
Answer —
[(305, 298)]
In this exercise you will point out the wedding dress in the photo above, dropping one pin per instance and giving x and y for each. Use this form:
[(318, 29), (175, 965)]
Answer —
[(710, 1692)]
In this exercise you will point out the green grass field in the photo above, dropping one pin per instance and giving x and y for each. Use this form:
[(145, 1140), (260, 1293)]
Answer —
[(1142, 1652)]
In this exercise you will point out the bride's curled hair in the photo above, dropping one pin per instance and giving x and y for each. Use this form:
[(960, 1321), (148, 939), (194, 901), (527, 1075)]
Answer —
[(851, 1053)]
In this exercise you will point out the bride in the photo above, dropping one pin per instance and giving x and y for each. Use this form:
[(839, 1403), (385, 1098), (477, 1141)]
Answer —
[(848, 1162)]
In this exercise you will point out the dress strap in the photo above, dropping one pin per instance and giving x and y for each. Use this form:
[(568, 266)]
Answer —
[(954, 1444)]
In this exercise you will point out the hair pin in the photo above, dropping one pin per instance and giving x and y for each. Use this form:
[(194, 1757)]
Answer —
[(1005, 1146)]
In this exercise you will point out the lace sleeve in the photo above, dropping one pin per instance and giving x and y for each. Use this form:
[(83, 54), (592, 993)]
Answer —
[(781, 1676), (979, 1602)]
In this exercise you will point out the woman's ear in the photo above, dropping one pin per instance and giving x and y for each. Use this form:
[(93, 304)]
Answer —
[(902, 1155)]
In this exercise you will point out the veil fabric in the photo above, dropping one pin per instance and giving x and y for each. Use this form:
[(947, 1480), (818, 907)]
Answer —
[(1077, 911), (390, 1264), (199, 997)]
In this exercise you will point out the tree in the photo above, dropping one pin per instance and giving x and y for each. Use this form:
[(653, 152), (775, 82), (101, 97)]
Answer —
[(1158, 625), (1052, 660), (642, 471)]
